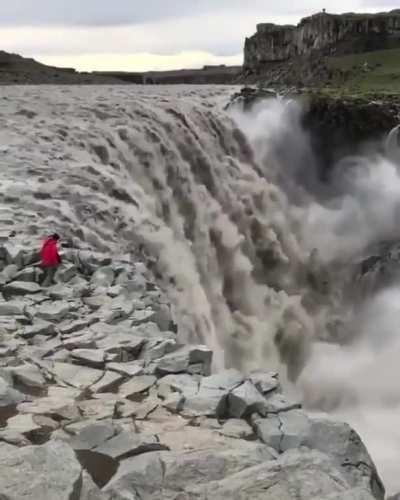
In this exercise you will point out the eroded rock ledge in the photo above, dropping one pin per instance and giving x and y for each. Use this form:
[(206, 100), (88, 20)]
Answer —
[(99, 401)]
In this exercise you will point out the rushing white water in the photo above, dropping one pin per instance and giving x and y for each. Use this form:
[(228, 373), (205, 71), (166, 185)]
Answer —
[(228, 205)]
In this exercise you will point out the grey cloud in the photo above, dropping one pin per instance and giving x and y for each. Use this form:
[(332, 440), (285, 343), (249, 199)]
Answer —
[(107, 12)]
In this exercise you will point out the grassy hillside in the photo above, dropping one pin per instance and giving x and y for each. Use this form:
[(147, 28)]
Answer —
[(370, 71)]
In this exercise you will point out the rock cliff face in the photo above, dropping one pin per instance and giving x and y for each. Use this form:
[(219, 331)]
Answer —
[(323, 33)]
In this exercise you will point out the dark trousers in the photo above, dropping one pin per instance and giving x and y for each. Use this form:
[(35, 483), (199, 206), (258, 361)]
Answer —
[(49, 273)]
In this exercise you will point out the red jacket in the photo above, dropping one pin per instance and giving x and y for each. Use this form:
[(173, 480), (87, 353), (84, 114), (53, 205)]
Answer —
[(49, 253)]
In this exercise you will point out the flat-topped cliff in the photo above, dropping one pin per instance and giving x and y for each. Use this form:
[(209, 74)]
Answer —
[(322, 33)]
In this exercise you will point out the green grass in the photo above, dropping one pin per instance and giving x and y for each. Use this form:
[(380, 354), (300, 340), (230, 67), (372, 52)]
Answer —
[(382, 74)]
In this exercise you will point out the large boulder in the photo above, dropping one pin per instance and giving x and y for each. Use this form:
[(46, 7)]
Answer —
[(297, 475), (45, 472), (289, 430)]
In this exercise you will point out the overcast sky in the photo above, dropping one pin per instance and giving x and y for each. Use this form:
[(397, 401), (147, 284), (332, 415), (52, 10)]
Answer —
[(139, 35)]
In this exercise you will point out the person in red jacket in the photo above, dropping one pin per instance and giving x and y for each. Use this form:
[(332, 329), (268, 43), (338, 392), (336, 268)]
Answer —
[(50, 258)]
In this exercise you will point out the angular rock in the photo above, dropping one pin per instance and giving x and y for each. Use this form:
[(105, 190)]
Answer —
[(157, 348), (28, 274), (244, 400), (76, 376), (84, 340), (38, 328), (9, 273), (122, 343), (133, 477), (60, 292), (103, 277), (65, 272), (182, 383), (143, 316), (110, 382), (137, 385), (265, 382), (12, 308), (277, 403), (53, 311), (225, 380), (207, 403), (29, 378), (22, 424), (127, 444), (129, 369), (75, 326), (9, 399), (179, 361), (97, 408), (300, 474), (90, 491), (89, 357), (21, 288), (236, 428), (45, 472), (269, 431), (92, 435)]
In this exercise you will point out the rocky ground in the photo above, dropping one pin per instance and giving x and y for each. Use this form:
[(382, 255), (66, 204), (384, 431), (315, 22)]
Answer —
[(98, 400)]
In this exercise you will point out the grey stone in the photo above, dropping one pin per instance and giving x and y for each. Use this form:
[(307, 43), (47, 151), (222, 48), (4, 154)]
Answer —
[(28, 274), (13, 253), (12, 308), (103, 277), (53, 311), (47, 472), (65, 272), (99, 409), (138, 475), (108, 383), (276, 403), (265, 382), (76, 376), (244, 400), (9, 273), (127, 444), (225, 380), (22, 424), (207, 403), (142, 316), (129, 369), (9, 399), (122, 343), (21, 288), (29, 377), (157, 348), (60, 292), (236, 428), (97, 301), (38, 328), (268, 430), (179, 361), (300, 474), (90, 491), (137, 385), (89, 357), (182, 383), (14, 438), (83, 340), (92, 435), (75, 326)]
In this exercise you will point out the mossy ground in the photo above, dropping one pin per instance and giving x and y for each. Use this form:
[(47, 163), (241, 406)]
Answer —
[(368, 72)]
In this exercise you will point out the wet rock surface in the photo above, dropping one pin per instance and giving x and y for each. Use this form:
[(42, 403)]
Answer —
[(97, 405)]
